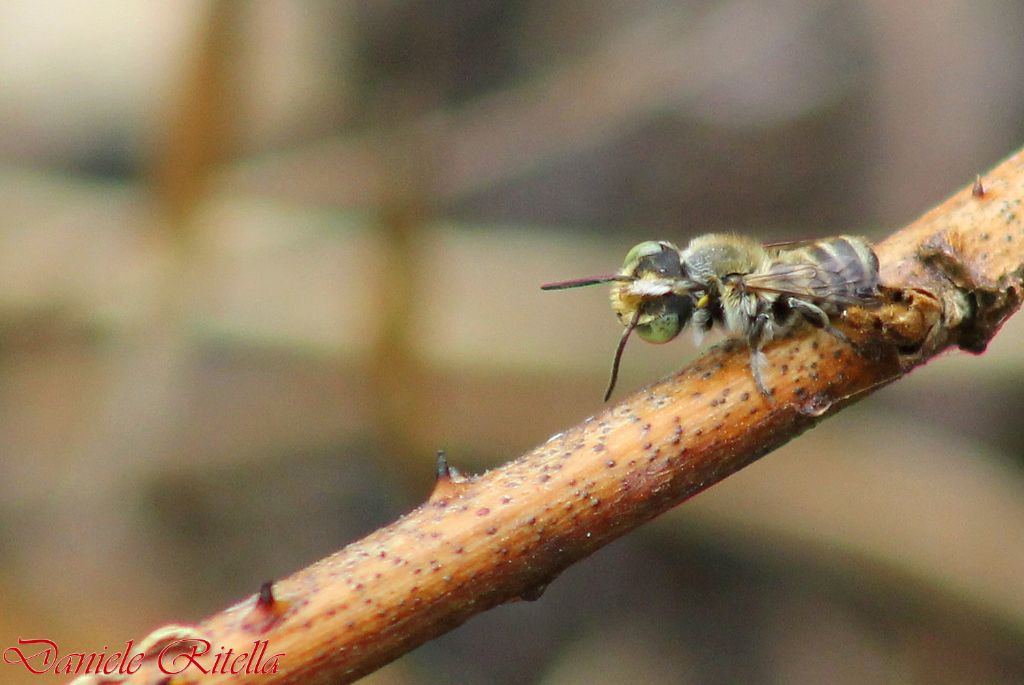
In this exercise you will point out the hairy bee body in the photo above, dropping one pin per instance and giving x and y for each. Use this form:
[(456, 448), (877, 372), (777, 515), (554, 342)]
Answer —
[(709, 261), (752, 291), (744, 280)]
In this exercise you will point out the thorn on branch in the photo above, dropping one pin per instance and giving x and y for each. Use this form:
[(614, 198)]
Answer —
[(449, 482), (267, 609), (978, 190), (265, 599)]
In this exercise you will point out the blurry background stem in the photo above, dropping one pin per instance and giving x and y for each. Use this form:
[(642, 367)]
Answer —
[(148, 365), (399, 388)]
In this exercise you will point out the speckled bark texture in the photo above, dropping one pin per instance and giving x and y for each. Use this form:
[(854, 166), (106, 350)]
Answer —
[(951, 279)]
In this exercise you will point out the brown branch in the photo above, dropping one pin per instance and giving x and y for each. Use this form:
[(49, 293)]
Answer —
[(952, 278)]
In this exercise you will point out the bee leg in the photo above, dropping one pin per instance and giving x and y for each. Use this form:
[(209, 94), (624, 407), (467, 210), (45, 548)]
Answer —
[(758, 360), (701, 323), (817, 317), (759, 334)]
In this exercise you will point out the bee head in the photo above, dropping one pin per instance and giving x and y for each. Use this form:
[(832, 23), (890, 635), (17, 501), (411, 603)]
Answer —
[(648, 293)]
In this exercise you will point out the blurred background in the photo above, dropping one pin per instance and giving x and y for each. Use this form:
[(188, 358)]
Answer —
[(259, 261)]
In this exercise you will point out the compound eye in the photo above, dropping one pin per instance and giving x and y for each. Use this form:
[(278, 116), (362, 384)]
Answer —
[(661, 329), (657, 259), (665, 318), (640, 251)]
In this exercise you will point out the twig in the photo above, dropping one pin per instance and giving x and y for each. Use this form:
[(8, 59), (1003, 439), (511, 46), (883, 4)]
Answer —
[(952, 278)]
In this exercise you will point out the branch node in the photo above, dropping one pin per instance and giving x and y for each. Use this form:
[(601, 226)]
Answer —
[(980, 300)]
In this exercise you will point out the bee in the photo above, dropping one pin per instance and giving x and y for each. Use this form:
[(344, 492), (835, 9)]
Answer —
[(753, 291)]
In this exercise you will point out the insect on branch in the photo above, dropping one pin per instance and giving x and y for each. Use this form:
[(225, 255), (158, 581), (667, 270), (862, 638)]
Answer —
[(949, 279), (755, 292)]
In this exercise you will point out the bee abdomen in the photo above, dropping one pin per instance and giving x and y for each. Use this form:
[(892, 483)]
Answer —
[(848, 262)]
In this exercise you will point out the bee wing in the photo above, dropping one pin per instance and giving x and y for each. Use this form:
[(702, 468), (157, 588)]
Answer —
[(809, 281), (790, 244)]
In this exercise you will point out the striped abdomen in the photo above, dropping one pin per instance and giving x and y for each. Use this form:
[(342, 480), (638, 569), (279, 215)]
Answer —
[(847, 268)]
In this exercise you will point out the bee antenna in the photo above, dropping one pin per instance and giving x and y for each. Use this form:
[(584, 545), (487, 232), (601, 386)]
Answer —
[(581, 282), (618, 354)]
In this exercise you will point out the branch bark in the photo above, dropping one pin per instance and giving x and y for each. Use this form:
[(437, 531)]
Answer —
[(951, 279)]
